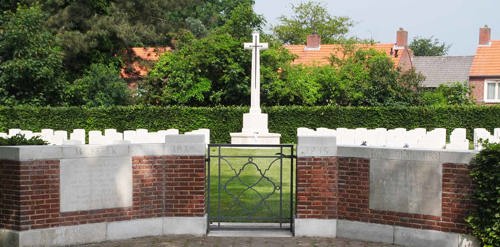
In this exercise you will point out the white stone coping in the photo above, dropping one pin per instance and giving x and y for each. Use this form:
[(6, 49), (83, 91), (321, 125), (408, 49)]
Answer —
[(403, 236), (99, 232), (316, 146), (324, 145), (442, 156), (189, 145)]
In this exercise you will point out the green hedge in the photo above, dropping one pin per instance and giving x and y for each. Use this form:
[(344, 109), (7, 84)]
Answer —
[(484, 220), (224, 120)]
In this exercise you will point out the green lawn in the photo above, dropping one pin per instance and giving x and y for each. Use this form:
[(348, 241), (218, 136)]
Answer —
[(244, 194)]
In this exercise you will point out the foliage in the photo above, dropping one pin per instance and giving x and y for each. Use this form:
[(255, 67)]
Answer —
[(485, 173), (20, 139), (95, 31), (241, 21), (428, 47), (456, 93), (297, 85), (100, 86), (224, 120), (209, 71), (356, 77), (31, 69), (214, 70), (311, 17)]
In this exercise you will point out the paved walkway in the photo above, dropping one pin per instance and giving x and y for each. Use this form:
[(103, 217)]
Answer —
[(190, 241)]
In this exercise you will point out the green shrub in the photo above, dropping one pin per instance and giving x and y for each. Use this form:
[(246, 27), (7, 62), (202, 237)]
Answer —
[(485, 220), (20, 139), (100, 86), (456, 93), (223, 120)]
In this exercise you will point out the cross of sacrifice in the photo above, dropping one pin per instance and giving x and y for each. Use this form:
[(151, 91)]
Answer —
[(255, 46)]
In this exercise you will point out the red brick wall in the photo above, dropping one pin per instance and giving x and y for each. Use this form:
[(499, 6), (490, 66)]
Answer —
[(477, 89), (340, 188), (354, 193), (162, 186), (185, 190), (9, 194), (317, 188), (457, 189)]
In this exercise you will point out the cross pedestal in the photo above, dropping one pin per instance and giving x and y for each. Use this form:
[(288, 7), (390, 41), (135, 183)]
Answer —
[(255, 129)]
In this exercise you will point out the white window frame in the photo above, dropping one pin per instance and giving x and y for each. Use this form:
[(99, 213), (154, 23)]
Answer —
[(497, 94)]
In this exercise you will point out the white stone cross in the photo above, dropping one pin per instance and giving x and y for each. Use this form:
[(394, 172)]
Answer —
[(255, 46)]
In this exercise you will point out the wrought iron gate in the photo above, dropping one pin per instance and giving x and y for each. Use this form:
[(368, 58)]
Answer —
[(250, 184)]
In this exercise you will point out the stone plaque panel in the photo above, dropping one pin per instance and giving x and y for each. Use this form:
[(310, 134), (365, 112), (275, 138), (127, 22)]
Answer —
[(317, 146), (95, 183), (406, 186)]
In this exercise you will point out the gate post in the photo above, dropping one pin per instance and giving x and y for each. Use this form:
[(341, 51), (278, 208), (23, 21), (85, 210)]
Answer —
[(317, 186), (185, 185)]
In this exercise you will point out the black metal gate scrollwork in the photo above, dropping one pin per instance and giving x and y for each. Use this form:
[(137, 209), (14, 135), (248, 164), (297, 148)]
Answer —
[(250, 184)]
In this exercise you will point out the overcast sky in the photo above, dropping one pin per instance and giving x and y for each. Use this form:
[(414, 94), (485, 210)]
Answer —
[(455, 22)]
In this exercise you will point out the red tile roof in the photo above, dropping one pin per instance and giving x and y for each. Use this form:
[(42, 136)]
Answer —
[(321, 56), (487, 60), (136, 69), (150, 53)]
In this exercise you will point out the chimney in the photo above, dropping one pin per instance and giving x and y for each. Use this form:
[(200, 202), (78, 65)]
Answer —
[(313, 42), (484, 35), (402, 38)]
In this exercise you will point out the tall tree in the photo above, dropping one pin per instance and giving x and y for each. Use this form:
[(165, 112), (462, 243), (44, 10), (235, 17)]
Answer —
[(213, 70), (31, 69), (95, 31), (428, 47), (311, 17)]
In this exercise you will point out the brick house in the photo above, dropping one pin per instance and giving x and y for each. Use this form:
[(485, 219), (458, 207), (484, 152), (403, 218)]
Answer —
[(139, 60), (315, 53), (484, 76)]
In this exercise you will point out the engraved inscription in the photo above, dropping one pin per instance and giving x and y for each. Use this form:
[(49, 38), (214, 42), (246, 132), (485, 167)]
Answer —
[(317, 150), (95, 183), (420, 155), (185, 149), (406, 186)]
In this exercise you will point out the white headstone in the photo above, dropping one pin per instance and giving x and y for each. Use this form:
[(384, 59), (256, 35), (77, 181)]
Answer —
[(302, 131), (28, 134), (13, 132), (377, 137), (110, 132), (95, 137), (78, 135), (396, 138), (345, 137), (361, 137), (481, 134), (130, 135), (48, 135), (326, 132), (458, 140), (204, 132), (60, 136)]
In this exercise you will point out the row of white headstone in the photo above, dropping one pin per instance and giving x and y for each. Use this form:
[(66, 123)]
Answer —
[(97, 137), (418, 138)]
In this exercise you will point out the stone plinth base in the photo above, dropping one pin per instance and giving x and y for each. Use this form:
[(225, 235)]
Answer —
[(255, 123), (249, 138)]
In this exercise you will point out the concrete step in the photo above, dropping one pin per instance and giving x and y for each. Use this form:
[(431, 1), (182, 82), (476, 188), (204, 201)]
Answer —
[(250, 230)]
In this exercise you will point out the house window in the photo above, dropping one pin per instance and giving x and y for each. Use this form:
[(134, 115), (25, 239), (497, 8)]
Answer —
[(492, 91)]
